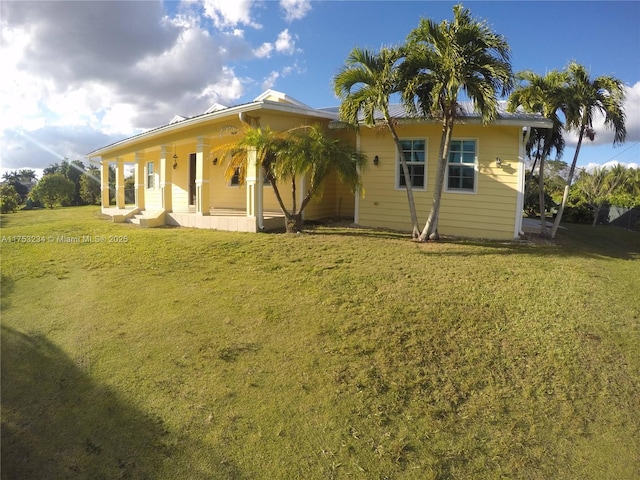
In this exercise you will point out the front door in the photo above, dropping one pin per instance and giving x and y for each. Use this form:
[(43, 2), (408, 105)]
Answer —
[(192, 179)]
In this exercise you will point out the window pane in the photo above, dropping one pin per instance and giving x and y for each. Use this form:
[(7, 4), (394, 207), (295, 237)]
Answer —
[(467, 183), (469, 146), (406, 144), (418, 156), (418, 145)]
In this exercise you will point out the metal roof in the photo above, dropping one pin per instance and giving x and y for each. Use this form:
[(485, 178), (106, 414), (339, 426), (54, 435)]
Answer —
[(468, 114)]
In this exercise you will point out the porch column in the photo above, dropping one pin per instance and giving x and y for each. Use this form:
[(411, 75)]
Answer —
[(202, 177), (119, 183), (139, 180), (254, 182), (166, 167), (104, 184)]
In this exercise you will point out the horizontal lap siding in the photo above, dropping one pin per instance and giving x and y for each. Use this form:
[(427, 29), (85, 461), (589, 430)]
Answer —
[(490, 212)]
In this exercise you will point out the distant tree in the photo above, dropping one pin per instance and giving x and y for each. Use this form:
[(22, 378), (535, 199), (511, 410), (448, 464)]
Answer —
[(22, 181), (582, 98), (9, 199), (51, 169), (54, 189), (72, 170), (596, 188), (90, 186)]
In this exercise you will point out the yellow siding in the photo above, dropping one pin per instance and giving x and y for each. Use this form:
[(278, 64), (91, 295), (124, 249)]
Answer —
[(488, 213)]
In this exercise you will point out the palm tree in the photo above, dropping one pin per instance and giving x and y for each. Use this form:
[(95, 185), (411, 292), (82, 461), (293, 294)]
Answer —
[(364, 85), (303, 152), (596, 187), (443, 60), (537, 94), (584, 97)]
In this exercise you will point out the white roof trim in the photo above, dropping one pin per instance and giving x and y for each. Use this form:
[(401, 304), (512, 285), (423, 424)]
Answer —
[(190, 122), (216, 107), (283, 96), (177, 118)]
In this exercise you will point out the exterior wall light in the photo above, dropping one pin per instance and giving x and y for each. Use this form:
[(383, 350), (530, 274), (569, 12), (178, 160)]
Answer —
[(215, 161), (376, 160), (175, 161), (498, 162)]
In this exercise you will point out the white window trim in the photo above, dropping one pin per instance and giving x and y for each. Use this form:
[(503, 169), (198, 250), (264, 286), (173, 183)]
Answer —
[(475, 170), (426, 165)]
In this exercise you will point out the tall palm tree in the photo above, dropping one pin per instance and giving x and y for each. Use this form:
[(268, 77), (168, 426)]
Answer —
[(444, 59), (286, 157), (537, 94), (584, 97), (364, 85)]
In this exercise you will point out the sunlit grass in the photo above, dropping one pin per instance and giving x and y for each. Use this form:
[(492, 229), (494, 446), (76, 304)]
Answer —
[(338, 353)]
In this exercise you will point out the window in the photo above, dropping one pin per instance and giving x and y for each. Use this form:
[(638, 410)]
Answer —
[(150, 175), (414, 152), (235, 180), (461, 166)]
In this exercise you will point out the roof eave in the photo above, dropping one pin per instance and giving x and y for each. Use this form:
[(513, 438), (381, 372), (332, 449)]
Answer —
[(231, 111)]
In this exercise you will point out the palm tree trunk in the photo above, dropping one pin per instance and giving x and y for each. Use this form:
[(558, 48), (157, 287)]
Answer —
[(543, 216), (289, 220), (407, 181), (430, 231), (565, 195)]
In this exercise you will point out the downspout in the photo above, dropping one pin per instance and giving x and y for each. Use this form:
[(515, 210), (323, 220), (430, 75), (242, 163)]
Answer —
[(521, 180)]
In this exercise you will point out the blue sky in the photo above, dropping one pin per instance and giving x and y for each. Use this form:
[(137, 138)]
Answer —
[(82, 75)]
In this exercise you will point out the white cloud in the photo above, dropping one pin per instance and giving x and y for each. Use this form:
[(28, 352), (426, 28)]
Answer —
[(295, 9), (264, 50), (230, 13), (611, 163), (66, 74), (285, 42), (270, 81)]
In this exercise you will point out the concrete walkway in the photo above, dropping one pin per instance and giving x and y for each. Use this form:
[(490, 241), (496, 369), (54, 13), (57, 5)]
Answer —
[(532, 225)]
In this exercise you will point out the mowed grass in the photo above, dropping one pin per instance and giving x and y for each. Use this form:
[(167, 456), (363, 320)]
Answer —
[(338, 353)]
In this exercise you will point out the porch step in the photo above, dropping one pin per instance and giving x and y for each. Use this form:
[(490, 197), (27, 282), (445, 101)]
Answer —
[(147, 219)]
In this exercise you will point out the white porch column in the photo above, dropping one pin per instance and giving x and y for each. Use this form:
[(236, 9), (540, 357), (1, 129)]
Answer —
[(202, 177), (139, 180), (254, 181), (104, 184), (166, 167), (119, 183)]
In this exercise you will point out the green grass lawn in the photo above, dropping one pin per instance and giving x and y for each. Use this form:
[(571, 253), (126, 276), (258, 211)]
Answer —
[(190, 354)]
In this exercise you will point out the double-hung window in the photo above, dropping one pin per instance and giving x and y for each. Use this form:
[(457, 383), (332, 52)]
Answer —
[(415, 153), (461, 166), (150, 175)]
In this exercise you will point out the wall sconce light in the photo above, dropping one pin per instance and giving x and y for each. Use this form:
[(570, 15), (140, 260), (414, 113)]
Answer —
[(215, 161), (175, 161), (376, 160), (498, 162)]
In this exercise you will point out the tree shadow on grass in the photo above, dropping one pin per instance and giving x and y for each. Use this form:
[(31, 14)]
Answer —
[(576, 240), (58, 423)]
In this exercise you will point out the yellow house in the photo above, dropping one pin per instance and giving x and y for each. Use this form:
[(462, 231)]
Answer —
[(178, 181)]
